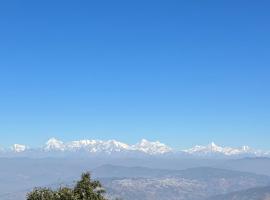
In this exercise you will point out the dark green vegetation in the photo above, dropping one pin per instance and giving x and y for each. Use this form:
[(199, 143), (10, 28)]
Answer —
[(84, 189)]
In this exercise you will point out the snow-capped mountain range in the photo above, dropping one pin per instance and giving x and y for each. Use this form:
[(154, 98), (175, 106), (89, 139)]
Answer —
[(213, 149), (109, 146), (144, 147)]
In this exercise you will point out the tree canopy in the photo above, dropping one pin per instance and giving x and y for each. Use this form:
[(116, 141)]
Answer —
[(84, 189)]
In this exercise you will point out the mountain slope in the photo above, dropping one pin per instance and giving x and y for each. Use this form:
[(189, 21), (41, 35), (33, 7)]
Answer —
[(260, 193), (189, 184)]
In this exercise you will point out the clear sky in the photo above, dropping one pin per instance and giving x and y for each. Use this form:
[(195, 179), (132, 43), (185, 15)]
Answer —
[(182, 72)]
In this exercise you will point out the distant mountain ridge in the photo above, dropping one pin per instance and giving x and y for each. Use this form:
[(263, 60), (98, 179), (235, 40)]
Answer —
[(213, 149), (93, 147), (146, 147), (137, 183), (109, 146), (130, 179), (18, 176)]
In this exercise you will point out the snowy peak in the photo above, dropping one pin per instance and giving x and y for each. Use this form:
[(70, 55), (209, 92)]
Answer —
[(18, 148), (115, 146), (151, 147), (54, 145), (108, 147), (213, 145), (96, 146), (212, 149)]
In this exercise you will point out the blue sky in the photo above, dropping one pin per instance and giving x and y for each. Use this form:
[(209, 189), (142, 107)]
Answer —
[(182, 72)]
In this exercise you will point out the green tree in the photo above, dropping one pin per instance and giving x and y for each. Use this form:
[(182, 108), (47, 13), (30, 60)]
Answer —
[(85, 189), (65, 193), (41, 194)]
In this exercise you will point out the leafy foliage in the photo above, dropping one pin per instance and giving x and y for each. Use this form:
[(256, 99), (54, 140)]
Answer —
[(85, 189)]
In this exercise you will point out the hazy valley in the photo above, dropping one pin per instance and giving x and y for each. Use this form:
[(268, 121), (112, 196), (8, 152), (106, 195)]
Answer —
[(140, 177)]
